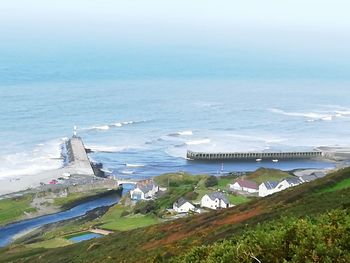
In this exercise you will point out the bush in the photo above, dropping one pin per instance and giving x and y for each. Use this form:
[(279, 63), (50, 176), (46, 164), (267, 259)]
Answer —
[(125, 213), (191, 195), (145, 207), (211, 181), (321, 239)]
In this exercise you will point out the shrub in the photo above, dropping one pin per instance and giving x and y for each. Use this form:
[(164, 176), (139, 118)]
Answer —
[(145, 207), (211, 181)]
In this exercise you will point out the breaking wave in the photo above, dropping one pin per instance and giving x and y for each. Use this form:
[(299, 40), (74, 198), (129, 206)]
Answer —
[(198, 142), (106, 149), (106, 127), (134, 165), (44, 157), (182, 133), (311, 116)]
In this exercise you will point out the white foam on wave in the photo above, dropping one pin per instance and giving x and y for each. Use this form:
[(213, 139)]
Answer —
[(102, 128), (44, 157), (312, 116), (198, 142), (106, 149), (181, 133), (185, 133), (134, 165), (106, 127), (127, 172)]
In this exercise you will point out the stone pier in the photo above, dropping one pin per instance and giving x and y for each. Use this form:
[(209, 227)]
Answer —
[(79, 162)]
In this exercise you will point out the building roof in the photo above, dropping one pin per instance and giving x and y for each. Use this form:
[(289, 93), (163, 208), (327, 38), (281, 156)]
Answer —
[(270, 184), (309, 178), (293, 180), (218, 195), (181, 202), (319, 174), (247, 184), (145, 186)]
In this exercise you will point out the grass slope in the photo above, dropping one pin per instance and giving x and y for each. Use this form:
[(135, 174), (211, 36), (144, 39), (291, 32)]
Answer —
[(113, 220), (171, 239), (264, 174), (13, 209)]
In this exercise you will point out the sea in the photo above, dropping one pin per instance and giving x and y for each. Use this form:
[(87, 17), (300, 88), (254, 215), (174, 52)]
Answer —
[(140, 128)]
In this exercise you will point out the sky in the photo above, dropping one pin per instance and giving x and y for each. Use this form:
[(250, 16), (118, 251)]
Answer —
[(290, 32)]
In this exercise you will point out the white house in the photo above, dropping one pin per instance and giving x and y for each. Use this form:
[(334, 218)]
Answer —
[(245, 186), (183, 206), (144, 190), (288, 182), (267, 188), (215, 201)]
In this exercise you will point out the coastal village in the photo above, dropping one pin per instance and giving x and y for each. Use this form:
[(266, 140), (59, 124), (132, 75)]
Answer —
[(214, 198), (140, 203)]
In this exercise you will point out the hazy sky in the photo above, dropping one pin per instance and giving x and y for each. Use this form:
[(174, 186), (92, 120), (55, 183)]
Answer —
[(149, 20), (289, 29)]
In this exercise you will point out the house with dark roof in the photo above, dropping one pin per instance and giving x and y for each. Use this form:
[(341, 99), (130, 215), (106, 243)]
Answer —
[(288, 182), (268, 188), (183, 206), (145, 189), (313, 176), (245, 186), (215, 201)]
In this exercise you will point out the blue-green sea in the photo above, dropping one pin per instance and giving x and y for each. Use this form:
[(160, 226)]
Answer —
[(143, 127)]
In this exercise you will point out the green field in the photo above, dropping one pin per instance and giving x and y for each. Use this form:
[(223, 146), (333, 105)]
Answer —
[(237, 199), (51, 243), (223, 182), (113, 220), (338, 186), (13, 209)]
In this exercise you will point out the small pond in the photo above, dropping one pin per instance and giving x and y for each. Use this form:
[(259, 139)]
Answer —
[(84, 236)]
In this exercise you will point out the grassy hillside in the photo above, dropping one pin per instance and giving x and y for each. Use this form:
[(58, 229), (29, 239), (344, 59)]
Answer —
[(170, 240), (264, 174)]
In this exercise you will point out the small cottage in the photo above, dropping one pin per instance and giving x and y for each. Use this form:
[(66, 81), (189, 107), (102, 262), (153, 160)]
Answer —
[(288, 182), (244, 186), (268, 188), (215, 201), (183, 206), (146, 189)]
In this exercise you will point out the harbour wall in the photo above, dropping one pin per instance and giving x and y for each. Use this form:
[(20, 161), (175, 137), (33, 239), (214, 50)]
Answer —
[(205, 156)]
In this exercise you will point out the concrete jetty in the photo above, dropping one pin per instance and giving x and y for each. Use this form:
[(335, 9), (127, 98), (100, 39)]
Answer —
[(79, 162), (239, 156)]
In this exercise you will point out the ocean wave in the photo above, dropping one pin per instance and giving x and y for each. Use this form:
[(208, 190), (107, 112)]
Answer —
[(198, 142), (107, 171), (182, 133), (311, 116), (134, 165), (106, 149), (106, 127), (127, 172), (102, 128), (44, 157)]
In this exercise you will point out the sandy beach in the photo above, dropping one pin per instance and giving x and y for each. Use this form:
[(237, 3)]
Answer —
[(24, 182)]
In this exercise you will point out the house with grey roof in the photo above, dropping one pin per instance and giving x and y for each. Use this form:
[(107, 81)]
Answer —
[(144, 190), (308, 178), (268, 188), (271, 187), (183, 206), (288, 182), (215, 201)]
